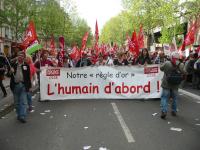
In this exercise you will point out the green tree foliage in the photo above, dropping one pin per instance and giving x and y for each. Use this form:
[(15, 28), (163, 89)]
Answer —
[(155, 13), (49, 18), (117, 28), (16, 15), (191, 9), (77, 32), (152, 14)]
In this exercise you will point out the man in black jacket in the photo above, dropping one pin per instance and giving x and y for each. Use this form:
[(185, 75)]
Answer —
[(20, 83), (2, 73)]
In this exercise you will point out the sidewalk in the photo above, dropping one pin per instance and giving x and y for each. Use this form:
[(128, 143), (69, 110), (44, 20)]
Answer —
[(6, 103)]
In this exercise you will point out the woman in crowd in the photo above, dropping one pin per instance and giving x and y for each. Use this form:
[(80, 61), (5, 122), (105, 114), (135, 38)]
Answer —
[(101, 60), (144, 58)]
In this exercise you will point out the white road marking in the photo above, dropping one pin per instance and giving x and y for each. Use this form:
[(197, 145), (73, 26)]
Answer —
[(196, 97), (176, 129), (85, 128), (103, 148), (154, 114), (125, 128), (47, 111), (86, 147)]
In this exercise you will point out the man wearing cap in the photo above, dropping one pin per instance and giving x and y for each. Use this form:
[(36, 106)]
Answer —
[(170, 88), (20, 84)]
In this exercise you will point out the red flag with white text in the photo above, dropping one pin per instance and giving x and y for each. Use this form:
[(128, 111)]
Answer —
[(30, 35), (133, 44)]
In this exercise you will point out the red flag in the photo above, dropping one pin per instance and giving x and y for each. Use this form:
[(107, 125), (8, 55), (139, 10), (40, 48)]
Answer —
[(190, 35), (52, 46), (62, 43), (102, 50), (61, 52), (84, 41), (30, 35), (130, 44), (96, 32), (75, 54), (141, 38), (134, 44), (96, 47), (182, 48)]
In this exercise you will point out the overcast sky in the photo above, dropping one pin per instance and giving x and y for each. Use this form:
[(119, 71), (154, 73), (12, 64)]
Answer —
[(102, 10)]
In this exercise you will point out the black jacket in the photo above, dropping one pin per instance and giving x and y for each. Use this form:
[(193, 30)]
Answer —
[(83, 62), (2, 65), (26, 76), (141, 60)]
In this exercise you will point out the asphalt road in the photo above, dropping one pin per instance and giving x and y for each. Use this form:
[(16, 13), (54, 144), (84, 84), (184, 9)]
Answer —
[(103, 125)]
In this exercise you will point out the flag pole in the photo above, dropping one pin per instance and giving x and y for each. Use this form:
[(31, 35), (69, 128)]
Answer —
[(8, 62), (6, 59)]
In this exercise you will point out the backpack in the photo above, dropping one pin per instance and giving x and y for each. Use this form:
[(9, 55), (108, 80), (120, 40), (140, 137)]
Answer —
[(189, 66), (175, 77)]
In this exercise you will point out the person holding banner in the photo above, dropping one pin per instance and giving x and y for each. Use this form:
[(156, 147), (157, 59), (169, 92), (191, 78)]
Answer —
[(144, 58), (160, 58), (173, 76), (67, 62), (20, 84), (110, 60), (83, 61), (44, 60), (100, 61)]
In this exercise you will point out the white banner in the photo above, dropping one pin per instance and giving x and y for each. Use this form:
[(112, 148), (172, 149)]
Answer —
[(102, 82)]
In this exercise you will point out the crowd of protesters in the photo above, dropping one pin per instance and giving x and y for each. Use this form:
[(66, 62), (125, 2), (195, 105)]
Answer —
[(120, 58), (24, 70)]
